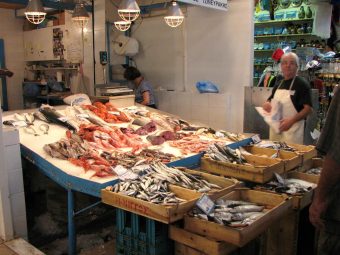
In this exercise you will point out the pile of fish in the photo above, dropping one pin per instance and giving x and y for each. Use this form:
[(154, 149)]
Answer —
[(276, 146), (153, 181), (129, 159), (315, 171), (225, 154), (232, 213), (181, 178), (147, 188), (191, 144), (73, 147), (289, 186)]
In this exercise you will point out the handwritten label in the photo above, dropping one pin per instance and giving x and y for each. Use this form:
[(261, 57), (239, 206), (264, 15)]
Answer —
[(83, 116), (124, 174), (205, 204), (132, 206), (256, 139)]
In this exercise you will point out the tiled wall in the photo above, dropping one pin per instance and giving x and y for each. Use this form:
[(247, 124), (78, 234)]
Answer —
[(11, 30), (210, 109), (15, 181)]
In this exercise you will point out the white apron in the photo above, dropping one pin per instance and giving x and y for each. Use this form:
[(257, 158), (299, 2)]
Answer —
[(296, 132)]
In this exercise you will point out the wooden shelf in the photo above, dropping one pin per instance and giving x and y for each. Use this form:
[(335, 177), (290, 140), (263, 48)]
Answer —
[(282, 21), (282, 35)]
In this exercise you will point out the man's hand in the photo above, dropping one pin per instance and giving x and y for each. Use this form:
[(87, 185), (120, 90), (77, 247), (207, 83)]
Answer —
[(286, 124), (316, 210), (267, 106)]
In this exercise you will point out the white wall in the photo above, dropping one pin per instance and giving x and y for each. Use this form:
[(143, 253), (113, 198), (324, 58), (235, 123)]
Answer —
[(211, 45), (11, 30)]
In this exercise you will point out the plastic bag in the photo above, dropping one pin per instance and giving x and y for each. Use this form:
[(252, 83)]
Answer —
[(206, 87), (77, 99)]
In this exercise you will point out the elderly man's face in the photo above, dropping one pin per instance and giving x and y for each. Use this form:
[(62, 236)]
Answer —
[(288, 67)]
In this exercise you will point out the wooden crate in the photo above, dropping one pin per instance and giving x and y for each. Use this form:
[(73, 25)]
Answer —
[(301, 201), (282, 237), (182, 249), (290, 159), (307, 151), (226, 184), (277, 206), (203, 244), (309, 164), (298, 201), (261, 171), (162, 213)]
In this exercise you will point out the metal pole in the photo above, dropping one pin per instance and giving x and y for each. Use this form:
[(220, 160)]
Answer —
[(72, 239)]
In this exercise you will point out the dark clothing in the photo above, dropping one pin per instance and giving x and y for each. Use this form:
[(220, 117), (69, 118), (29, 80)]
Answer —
[(301, 92), (329, 143), (152, 106)]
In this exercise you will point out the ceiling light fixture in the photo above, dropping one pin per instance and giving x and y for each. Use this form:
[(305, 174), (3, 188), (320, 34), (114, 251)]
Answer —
[(80, 15), (174, 16), (35, 12), (128, 10), (122, 25)]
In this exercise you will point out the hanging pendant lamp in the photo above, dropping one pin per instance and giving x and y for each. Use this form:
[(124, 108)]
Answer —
[(35, 12), (122, 25), (80, 17), (128, 10), (174, 16)]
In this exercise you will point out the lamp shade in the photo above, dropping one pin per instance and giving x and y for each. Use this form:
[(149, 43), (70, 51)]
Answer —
[(122, 25), (80, 15), (35, 12), (174, 16), (128, 10)]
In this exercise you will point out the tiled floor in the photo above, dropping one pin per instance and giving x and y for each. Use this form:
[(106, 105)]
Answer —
[(18, 247)]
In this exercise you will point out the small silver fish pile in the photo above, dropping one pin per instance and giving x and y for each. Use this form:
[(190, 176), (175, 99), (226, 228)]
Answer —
[(316, 171), (74, 147), (180, 178), (232, 213), (226, 154), (290, 186), (283, 146), (147, 188)]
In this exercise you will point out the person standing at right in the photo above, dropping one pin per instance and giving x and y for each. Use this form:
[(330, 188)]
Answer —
[(293, 93), (324, 213)]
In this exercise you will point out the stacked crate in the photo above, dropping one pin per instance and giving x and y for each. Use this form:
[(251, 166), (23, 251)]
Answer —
[(137, 235)]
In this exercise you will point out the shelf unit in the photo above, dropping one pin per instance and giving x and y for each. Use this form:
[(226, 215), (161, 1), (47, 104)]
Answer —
[(277, 40)]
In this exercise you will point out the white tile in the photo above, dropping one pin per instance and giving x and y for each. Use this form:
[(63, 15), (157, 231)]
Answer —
[(18, 206), (20, 226), (200, 114), (12, 157), (218, 100), (217, 114), (15, 181), (200, 100), (184, 112)]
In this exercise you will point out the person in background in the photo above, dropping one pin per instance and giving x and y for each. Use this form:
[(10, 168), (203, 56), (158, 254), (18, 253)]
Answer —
[(268, 78), (5, 72), (293, 93), (143, 90), (324, 212)]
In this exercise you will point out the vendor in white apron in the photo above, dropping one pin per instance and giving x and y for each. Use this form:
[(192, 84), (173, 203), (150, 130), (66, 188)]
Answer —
[(294, 95)]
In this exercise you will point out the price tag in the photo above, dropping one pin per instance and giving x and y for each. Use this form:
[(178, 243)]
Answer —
[(124, 174), (256, 139), (83, 116), (63, 119), (205, 204)]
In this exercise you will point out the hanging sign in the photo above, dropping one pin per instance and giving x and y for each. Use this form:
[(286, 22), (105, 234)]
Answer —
[(215, 4)]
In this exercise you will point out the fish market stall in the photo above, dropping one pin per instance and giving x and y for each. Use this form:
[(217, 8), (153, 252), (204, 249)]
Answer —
[(88, 148)]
